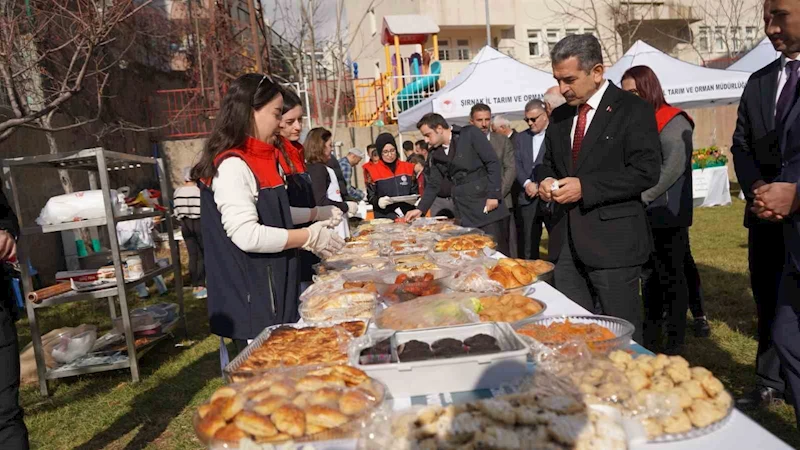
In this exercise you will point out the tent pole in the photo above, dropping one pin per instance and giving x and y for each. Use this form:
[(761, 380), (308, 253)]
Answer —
[(488, 25)]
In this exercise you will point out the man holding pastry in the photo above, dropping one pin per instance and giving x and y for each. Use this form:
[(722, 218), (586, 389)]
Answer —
[(602, 152)]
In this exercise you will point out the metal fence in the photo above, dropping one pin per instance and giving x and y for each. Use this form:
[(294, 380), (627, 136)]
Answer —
[(186, 113)]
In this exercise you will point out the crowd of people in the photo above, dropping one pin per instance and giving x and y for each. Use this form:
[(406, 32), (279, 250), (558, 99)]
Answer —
[(605, 169)]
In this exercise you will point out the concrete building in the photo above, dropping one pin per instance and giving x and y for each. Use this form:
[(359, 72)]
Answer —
[(693, 30)]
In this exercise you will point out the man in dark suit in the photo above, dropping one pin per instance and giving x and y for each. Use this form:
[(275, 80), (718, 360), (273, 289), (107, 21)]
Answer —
[(757, 160), (779, 200), (464, 157), (529, 153), (480, 116), (13, 433), (602, 152)]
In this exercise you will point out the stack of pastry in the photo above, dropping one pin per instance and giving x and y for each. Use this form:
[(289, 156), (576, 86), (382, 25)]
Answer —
[(356, 303), (465, 242), (288, 346), (520, 421), (513, 273), (288, 406)]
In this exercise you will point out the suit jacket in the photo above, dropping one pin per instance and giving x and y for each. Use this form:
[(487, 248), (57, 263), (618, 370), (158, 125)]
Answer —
[(474, 170), (789, 144), (8, 223), (526, 165), (756, 151), (505, 153), (620, 157)]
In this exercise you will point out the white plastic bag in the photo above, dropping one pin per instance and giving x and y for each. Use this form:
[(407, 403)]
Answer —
[(81, 205), (71, 347)]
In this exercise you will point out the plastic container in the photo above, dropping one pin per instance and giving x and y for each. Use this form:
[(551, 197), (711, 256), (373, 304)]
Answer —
[(457, 374), (172, 310), (622, 329), (140, 321)]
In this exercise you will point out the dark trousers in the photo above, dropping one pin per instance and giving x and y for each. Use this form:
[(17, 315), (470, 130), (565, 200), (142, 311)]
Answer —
[(693, 281), (499, 232), (786, 332), (443, 206), (617, 290), (512, 233), (530, 219), (766, 256), (665, 289), (193, 238), (13, 433)]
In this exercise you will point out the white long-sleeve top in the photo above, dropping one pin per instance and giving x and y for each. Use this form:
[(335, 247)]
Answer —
[(236, 193)]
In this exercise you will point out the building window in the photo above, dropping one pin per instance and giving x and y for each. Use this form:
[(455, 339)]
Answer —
[(571, 31), (736, 39), (702, 39), (534, 48), (719, 39), (552, 38), (750, 36), (462, 49), (444, 50), (591, 31)]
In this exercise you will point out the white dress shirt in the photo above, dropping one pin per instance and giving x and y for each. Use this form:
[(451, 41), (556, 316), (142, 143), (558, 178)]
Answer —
[(594, 102), (538, 141), (782, 76)]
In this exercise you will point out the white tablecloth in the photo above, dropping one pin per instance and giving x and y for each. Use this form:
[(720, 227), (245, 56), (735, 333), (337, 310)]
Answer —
[(711, 187), (739, 433)]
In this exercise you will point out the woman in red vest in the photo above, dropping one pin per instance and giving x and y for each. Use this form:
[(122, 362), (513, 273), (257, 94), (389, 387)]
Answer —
[(669, 210), (390, 177), (248, 227)]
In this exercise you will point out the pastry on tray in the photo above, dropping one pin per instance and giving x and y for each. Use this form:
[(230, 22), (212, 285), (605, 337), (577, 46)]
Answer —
[(465, 242), (300, 405), (513, 273), (289, 346)]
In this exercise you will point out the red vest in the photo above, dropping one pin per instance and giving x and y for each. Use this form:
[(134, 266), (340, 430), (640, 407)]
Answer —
[(392, 184), (295, 152), (260, 157), (667, 113)]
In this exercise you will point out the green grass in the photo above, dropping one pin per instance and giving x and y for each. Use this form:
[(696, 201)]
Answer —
[(108, 411)]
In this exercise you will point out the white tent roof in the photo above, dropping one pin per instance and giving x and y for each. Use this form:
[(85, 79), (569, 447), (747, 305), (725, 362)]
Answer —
[(761, 55), (685, 85), (493, 78)]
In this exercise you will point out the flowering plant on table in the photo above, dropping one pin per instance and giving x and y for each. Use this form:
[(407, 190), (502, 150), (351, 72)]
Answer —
[(708, 157)]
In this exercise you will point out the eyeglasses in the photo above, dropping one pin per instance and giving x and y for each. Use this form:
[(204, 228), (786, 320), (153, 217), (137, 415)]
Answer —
[(264, 77), (388, 152), (533, 119)]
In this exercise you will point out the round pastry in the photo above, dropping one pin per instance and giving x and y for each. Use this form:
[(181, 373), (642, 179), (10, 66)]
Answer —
[(230, 433), (280, 437), (232, 406), (210, 424), (333, 380), (282, 388), (351, 375), (354, 402), (290, 419), (255, 424), (325, 417), (414, 351), (223, 392), (310, 383), (448, 348), (481, 344), (314, 429), (269, 404), (324, 396)]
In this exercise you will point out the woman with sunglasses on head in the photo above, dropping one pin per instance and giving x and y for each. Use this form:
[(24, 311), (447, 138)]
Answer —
[(669, 210), (248, 224), (390, 177)]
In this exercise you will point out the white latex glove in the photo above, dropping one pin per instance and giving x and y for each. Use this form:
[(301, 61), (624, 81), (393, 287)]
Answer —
[(322, 240), (352, 209), (383, 202), (332, 213)]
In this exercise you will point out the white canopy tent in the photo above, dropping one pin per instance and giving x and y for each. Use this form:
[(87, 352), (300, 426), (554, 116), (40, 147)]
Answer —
[(685, 85), (493, 78), (761, 55)]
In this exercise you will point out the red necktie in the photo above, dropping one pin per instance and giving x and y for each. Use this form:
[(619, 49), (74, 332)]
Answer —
[(580, 130)]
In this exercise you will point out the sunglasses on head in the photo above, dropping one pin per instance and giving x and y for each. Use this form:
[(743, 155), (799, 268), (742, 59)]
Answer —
[(264, 77)]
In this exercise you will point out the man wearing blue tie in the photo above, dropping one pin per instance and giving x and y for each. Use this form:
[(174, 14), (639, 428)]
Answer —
[(528, 153), (779, 201)]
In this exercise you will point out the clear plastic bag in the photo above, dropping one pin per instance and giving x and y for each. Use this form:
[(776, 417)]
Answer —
[(339, 305), (428, 312), (288, 406), (72, 346), (405, 245), (458, 259), (364, 350), (473, 278), (395, 287)]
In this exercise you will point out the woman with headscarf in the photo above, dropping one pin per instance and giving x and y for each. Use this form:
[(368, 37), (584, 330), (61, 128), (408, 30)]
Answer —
[(669, 210), (390, 177)]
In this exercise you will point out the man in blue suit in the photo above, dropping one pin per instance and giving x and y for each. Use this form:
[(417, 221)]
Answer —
[(528, 153), (779, 201)]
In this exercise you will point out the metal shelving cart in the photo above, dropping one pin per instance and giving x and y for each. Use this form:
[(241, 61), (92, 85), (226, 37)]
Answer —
[(96, 161)]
